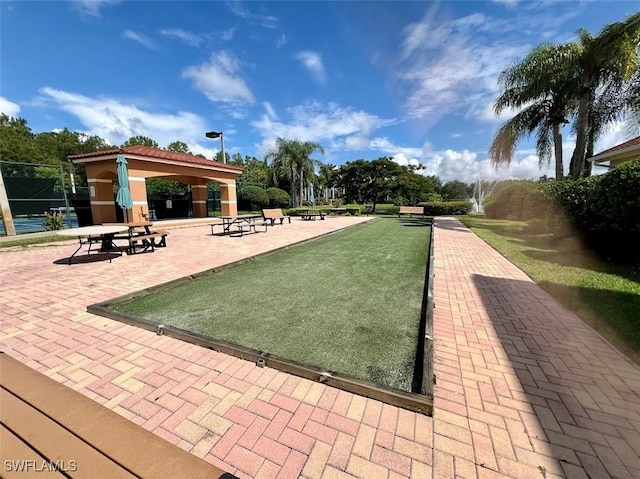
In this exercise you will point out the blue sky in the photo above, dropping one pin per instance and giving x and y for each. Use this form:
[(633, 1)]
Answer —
[(412, 80)]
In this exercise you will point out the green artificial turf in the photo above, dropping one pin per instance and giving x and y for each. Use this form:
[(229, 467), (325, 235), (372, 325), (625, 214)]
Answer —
[(348, 302), (604, 295)]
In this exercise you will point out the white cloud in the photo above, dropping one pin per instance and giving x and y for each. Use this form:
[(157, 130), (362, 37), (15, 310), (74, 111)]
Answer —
[(9, 108), (270, 111), (241, 11), (218, 79), (486, 112), (140, 38), (116, 121), (452, 65), (281, 40), (189, 38), (313, 62), (463, 165), (228, 34), (93, 7), (198, 149), (330, 124)]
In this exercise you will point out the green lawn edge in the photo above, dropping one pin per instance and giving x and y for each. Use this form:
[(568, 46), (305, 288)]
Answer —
[(605, 296)]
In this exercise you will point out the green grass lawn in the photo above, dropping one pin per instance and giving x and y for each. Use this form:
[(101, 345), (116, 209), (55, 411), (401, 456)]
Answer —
[(606, 296), (348, 303), (30, 241)]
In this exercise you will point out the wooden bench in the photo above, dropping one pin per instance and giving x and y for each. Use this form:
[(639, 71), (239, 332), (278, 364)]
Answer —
[(411, 210), (312, 215), (274, 214), (50, 430)]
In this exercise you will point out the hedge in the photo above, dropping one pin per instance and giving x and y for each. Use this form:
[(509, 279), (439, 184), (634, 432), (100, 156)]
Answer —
[(604, 209), (441, 208), (254, 197), (278, 198)]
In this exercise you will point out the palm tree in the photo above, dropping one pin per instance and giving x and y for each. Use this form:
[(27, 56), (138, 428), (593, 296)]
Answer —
[(613, 102), (291, 158), (610, 58), (327, 174), (542, 88)]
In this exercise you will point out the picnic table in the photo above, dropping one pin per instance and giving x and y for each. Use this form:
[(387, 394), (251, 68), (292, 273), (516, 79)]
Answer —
[(243, 223), (338, 211), (311, 215), (96, 234), (140, 231)]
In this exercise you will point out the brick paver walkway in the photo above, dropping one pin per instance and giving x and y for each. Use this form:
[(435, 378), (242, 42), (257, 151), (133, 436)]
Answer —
[(524, 389)]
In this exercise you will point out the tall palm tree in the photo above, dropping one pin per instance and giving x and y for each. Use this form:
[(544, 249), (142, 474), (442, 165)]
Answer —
[(610, 58), (306, 165), (291, 158), (542, 88), (327, 174)]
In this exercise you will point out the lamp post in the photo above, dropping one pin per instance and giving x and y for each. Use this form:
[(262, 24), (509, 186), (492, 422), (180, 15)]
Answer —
[(218, 134)]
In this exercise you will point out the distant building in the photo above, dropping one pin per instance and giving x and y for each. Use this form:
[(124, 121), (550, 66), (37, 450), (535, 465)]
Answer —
[(627, 151)]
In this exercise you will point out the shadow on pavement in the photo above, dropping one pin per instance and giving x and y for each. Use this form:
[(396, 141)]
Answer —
[(573, 405)]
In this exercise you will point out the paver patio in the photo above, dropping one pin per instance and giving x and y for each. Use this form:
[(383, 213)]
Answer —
[(524, 388)]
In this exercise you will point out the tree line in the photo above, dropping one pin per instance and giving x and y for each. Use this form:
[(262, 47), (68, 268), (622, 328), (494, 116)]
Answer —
[(288, 165)]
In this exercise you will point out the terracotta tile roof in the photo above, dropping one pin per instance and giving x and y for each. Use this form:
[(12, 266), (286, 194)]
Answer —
[(621, 146), (157, 153)]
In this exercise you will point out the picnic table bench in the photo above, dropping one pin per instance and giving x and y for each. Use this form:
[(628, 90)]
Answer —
[(242, 223), (273, 214), (140, 232), (311, 215), (411, 210)]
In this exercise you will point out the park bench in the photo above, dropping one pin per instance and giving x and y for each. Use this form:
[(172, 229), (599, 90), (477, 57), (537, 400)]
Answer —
[(273, 214), (312, 215), (411, 210)]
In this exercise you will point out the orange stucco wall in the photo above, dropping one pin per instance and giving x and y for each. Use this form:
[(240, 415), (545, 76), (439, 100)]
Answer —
[(100, 176)]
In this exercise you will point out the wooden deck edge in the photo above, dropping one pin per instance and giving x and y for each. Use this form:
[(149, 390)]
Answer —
[(131, 446)]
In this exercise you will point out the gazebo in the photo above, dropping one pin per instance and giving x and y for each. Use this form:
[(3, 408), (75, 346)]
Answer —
[(627, 151), (145, 162)]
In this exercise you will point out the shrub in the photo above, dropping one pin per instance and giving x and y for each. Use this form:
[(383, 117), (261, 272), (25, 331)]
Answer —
[(278, 198), (53, 221), (606, 210), (254, 197), (446, 208), (386, 209), (518, 200)]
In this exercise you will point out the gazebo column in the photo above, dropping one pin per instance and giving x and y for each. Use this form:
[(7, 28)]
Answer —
[(228, 201), (199, 195), (138, 188), (102, 202)]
